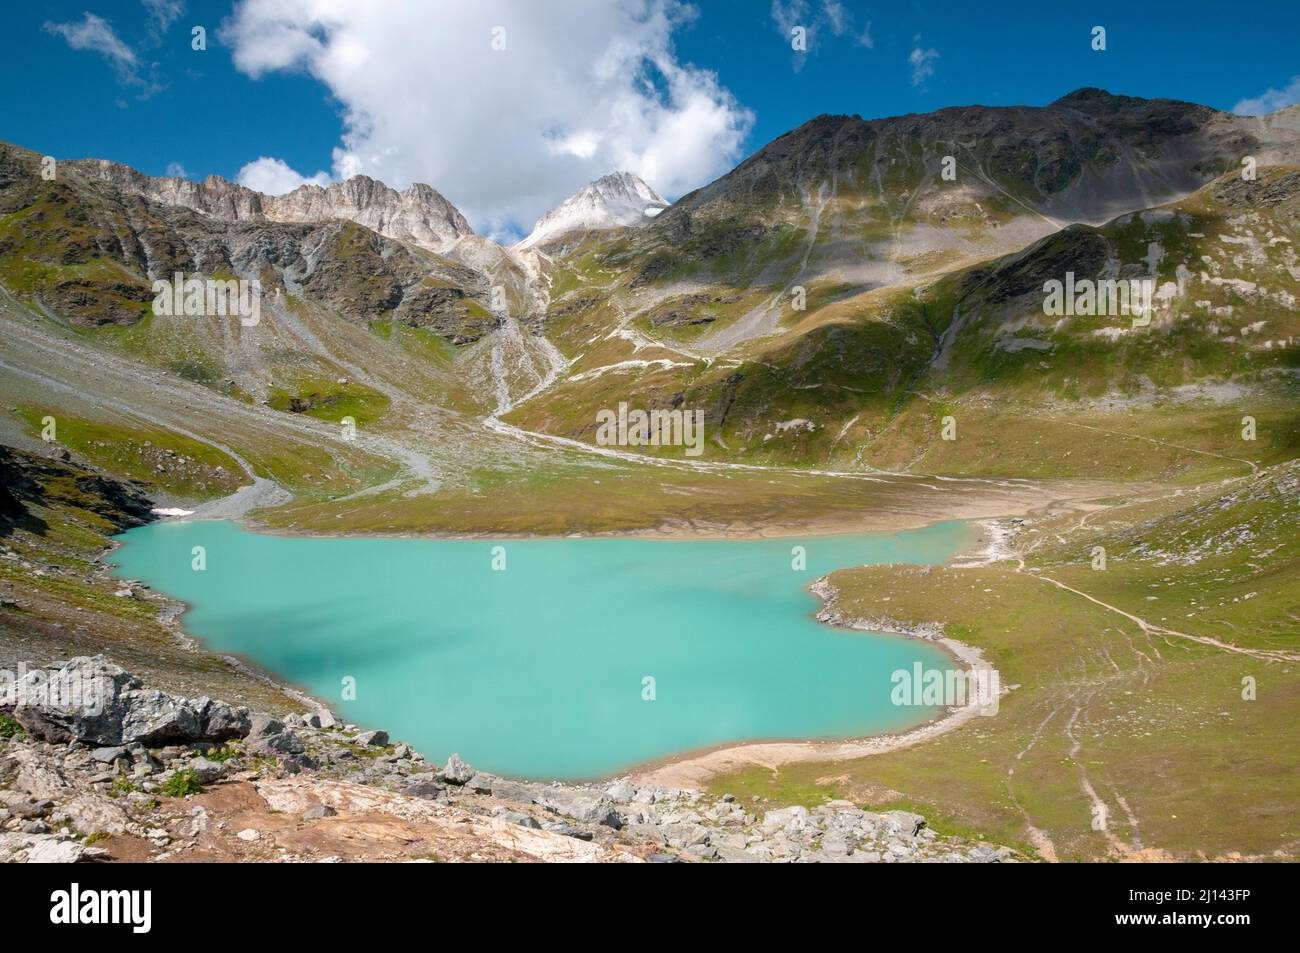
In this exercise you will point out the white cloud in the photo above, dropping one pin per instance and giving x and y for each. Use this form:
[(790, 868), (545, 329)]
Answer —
[(177, 171), (1271, 100), (275, 177), (581, 89), (829, 15), (840, 21), (95, 33), (163, 13), (922, 62), (789, 14)]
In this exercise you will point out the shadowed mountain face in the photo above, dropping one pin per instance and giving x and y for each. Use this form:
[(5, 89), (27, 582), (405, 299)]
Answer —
[(31, 481)]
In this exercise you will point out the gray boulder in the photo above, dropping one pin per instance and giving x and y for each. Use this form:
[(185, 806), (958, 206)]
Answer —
[(426, 789), (284, 742), (93, 701), (621, 791), (903, 823), (520, 818), (82, 700), (153, 718), (372, 739), (221, 722), (568, 830), (30, 809), (790, 820), (207, 771), (836, 845), (506, 790), (587, 808), (456, 771), (685, 835), (263, 726)]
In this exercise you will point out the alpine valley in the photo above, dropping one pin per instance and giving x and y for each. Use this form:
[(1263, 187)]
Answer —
[(852, 322)]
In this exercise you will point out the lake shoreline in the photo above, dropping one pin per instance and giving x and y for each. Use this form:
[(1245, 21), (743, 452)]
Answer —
[(171, 616), (691, 769)]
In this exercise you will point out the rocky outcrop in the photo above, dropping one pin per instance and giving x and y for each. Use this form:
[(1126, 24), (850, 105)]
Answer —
[(94, 702), (363, 275), (418, 215), (149, 775), (29, 480)]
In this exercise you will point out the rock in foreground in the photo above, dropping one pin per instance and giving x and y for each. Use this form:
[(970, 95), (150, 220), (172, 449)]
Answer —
[(144, 775)]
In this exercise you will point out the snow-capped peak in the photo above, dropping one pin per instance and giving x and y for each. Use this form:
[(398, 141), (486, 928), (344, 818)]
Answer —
[(619, 198)]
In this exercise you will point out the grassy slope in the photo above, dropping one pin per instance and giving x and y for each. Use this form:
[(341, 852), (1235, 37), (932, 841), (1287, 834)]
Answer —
[(178, 465), (858, 363), (1154, 723)]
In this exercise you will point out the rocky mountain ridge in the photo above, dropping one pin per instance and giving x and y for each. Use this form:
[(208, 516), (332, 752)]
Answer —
[(88, 245), (1087, 156), (419, 214)]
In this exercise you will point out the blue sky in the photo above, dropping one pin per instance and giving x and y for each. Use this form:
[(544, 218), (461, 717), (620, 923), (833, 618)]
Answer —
[(412, 91)]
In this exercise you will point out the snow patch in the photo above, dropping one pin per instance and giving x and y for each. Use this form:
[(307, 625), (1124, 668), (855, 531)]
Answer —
[(614, 200)]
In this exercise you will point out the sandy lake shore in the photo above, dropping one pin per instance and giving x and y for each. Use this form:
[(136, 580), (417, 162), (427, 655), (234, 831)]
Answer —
[(695, 770)]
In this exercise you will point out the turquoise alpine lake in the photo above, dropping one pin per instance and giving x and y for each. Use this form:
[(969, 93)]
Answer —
[(549, 658)]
